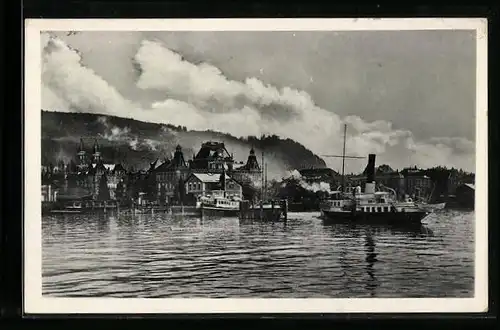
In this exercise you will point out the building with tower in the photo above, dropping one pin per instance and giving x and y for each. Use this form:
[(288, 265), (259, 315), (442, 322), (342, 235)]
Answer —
[(170, 177), (212, 157), (93, 173), (250, 173), (83, 160)]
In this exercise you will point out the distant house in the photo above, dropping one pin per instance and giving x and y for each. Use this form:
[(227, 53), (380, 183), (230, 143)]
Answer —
[(198, 184), (417, 183), (465, 195), (312, 175), (384, 176), (393, 180), (115, 174)]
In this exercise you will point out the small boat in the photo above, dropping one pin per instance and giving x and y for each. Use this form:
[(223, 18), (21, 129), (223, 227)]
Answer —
[(431, 207), (71, 207), (425, 203)]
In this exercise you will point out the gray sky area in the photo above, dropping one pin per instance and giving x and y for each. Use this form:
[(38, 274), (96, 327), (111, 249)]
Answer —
[(408, 88)]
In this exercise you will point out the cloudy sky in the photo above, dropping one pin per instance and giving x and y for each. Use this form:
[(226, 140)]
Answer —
[(408, 96)]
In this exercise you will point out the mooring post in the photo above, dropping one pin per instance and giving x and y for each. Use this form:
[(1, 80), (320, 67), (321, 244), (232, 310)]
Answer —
[(285, 211)]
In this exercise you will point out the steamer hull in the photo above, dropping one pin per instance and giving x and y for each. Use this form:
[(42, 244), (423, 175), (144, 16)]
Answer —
[(392, 218)]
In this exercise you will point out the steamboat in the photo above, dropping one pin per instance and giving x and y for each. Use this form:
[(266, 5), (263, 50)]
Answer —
[(219, 204), (377, 205)]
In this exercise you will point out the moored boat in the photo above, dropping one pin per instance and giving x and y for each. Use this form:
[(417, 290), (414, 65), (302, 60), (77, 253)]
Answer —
[(219, 204), (432, 207), (375, 207), (370, 206)]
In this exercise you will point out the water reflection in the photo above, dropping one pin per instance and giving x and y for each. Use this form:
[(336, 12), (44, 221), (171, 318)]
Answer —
[(162, 256), (356, 230), (371, 258), (103, 224)]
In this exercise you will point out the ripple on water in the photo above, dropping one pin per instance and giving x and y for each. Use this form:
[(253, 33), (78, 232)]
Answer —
[(157, 256)]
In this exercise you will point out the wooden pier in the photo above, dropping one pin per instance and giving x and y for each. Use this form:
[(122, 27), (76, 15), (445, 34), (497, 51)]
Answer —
[(84, 206), (184, 210), (273, 211)]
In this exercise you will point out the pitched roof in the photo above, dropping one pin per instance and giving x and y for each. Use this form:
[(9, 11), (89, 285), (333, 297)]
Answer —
[(471, 186), (209, 177)]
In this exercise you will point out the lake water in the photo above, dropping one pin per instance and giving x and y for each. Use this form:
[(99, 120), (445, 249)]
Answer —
[(145, 256)]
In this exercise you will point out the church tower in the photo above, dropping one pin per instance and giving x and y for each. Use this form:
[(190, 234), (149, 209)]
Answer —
[(82, 157), (97, 153), (252, 163)]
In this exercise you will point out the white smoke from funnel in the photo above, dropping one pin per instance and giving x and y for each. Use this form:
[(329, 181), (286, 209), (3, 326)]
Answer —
[(313, 187)]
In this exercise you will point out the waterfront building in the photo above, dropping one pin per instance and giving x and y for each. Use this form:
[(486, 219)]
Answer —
[(170, 177), (101, 175), (250, 173), (89, 173), (212, 157), (114, 175), (83, 160), (200, 184), (417, 183)]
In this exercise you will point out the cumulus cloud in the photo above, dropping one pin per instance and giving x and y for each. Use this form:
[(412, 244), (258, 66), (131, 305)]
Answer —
[(200, 96), (206, 98), (70, 86)]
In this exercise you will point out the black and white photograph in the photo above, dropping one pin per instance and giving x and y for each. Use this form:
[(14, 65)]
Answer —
[(277, 165)]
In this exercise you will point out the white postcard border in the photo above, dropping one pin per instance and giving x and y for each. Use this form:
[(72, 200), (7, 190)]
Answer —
[(35, 303)]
